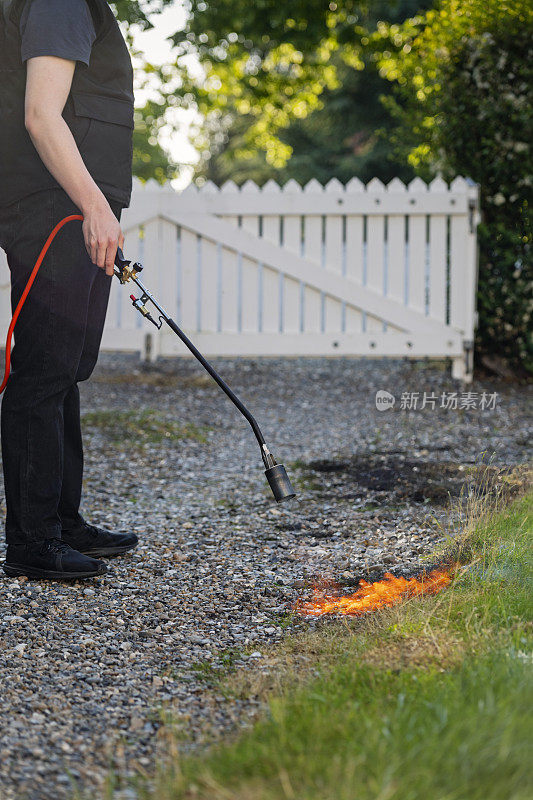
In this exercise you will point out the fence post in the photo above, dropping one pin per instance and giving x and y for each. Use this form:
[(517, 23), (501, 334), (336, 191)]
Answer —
[(463, 367)]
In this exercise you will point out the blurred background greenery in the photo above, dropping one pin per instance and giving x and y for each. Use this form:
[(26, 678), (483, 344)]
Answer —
[(380, 88)]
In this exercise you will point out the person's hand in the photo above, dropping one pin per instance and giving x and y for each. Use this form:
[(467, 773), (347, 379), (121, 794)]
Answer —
[(103, 235)]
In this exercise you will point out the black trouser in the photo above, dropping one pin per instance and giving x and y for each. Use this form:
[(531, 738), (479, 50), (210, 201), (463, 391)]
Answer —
[(57, 339)]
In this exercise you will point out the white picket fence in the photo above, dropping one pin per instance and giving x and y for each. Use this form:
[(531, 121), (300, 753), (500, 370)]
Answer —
[(313, 271)]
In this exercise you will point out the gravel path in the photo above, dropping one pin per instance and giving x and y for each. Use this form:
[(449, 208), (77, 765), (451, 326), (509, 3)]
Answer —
[(87, 667)]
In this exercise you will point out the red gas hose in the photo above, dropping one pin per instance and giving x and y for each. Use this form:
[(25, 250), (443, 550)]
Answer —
[(27, 289)]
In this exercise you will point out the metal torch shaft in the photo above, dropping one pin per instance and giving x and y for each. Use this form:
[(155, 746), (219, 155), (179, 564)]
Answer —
[(268, 459)]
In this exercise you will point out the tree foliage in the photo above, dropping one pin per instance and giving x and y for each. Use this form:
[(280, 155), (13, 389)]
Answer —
[(281, 83), (264, 61), (346, 134), (464, 83), (139, 11), (281, 95), (150, 159)]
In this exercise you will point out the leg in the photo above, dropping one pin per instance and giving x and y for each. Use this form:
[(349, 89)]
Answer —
[(73, 446), (49, 339), (69, 501), (76, 532)]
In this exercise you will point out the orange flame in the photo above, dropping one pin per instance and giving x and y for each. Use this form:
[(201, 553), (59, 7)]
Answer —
[(371, 596)]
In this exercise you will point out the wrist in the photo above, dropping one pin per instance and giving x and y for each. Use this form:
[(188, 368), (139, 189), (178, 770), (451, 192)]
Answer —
[(93, 201)]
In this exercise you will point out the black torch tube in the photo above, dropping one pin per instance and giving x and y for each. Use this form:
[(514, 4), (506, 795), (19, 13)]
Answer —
[(214, 374)]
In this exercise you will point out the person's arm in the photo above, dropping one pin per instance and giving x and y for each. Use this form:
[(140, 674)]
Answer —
[(47, 88)]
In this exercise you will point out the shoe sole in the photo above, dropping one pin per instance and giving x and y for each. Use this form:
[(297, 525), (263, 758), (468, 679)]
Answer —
[(105, 552), (19, 570)]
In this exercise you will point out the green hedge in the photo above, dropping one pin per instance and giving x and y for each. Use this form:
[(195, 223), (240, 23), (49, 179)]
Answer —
[(463, 100)]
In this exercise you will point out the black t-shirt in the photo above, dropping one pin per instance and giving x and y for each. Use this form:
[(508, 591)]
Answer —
[(62, 28)]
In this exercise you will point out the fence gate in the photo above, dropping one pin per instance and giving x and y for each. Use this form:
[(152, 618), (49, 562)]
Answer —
[(313, 271)]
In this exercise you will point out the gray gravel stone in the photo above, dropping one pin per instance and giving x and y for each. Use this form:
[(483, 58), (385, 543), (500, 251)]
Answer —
[(87, 667)]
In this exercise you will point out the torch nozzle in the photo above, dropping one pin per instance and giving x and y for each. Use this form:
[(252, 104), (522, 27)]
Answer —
[(280, 483), (277, 476)]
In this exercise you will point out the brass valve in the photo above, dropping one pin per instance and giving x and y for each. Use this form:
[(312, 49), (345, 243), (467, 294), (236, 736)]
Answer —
[(126, 270), (129, 272)]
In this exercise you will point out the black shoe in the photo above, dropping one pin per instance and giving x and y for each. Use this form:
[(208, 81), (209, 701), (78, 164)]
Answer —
[(93, 541), (50, 559)]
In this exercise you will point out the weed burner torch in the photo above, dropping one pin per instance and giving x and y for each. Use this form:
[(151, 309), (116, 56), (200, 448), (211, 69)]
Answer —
[(126, 271), (276, 473)]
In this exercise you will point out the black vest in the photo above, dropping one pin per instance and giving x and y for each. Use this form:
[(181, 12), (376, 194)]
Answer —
[(98, 111)]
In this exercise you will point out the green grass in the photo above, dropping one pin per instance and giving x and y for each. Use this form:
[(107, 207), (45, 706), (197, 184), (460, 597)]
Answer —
[(428, 700), (367, 733), (134, 428)]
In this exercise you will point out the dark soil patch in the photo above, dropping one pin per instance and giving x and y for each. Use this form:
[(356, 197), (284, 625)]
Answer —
[(400, 478)]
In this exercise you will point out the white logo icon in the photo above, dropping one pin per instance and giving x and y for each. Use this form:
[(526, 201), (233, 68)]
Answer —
[(384, 400)]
